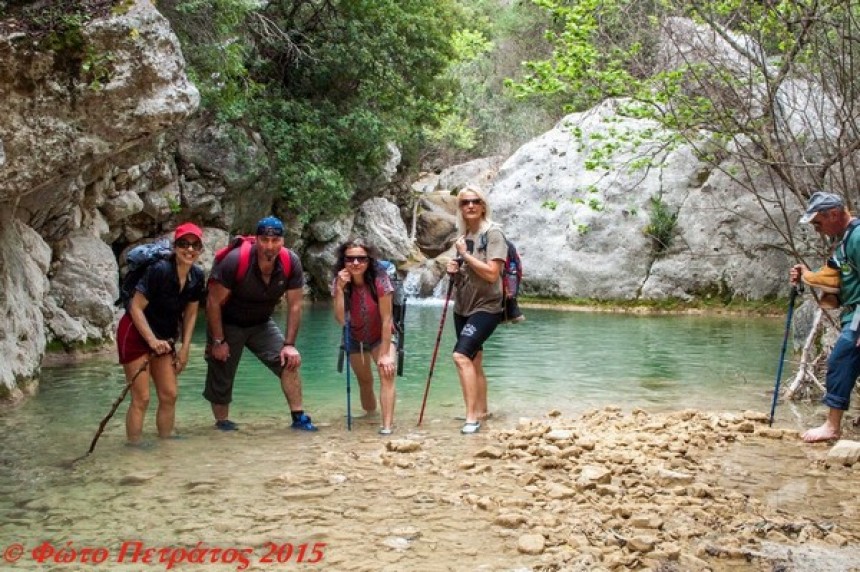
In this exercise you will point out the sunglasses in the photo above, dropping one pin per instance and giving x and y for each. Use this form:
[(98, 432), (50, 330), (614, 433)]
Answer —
[(356, 259), (467, 202), (192, 244)]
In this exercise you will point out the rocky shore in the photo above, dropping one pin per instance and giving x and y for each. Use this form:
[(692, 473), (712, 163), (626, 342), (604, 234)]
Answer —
[(609, 490), (616, 491)]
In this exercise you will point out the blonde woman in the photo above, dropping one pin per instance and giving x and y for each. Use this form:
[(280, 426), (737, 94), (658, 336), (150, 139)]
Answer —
[(476, 272)]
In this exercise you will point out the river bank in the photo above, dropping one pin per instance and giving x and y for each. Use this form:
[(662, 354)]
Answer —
[(608, 490), (699, 307)]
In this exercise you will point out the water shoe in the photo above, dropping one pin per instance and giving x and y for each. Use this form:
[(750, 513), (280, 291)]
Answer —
[(303, 423), (470, 428), (226, 425)]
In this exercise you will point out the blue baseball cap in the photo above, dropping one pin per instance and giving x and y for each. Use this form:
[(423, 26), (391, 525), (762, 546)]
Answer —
[(270, 226), (820, 202)]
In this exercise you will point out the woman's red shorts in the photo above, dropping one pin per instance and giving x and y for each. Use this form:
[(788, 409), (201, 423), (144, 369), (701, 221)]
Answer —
[(130, 345)]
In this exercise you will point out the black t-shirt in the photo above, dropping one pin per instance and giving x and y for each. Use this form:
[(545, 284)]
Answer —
[(251, 300), (160, 286)]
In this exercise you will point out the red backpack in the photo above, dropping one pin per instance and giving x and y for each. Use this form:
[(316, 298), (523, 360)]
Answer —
[(244, 244)]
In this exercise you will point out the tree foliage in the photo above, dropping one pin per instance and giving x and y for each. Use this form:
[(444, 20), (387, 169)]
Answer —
[(482, 116), (329, 83), (766, 92)]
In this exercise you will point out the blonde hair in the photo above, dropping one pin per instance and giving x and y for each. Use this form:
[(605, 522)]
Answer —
[(486, 221)]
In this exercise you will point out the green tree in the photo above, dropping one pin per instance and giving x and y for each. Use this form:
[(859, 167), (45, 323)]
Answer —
[(217, 46), (765, 92), (345, 80), (329, 83), (483, 116)]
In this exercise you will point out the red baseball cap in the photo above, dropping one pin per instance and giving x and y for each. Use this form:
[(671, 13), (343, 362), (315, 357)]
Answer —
[(186, 229)]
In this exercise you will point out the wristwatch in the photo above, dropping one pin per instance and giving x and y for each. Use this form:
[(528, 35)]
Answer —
[(217, 341)]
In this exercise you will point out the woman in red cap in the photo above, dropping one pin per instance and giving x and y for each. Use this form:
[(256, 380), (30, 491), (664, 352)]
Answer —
[(163, 309)]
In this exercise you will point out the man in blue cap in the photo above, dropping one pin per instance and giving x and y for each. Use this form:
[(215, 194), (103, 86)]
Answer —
[(245, 287), (828, 216)]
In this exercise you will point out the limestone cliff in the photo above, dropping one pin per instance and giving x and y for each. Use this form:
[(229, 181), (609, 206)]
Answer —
[(68, 115)]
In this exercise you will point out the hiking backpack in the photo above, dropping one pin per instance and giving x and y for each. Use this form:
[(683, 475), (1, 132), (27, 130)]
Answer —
[(244, 244), (138, 259), (512, 277), (398, 308)]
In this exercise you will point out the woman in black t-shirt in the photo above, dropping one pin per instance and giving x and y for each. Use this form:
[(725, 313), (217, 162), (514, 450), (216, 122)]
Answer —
[(162, 312)]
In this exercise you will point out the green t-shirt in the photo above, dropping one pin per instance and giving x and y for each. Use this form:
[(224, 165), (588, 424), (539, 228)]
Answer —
[(847, 255), (474, 294)]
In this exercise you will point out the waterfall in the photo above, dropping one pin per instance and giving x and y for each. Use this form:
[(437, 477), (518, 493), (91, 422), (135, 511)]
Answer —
[(412, 287), (412, 283)]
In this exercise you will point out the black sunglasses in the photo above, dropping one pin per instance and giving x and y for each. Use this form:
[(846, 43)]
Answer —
[(356, 259), (467, 202), (192, 244)]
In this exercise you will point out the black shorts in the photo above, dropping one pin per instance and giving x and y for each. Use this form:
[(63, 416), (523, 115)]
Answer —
[(473, 331)]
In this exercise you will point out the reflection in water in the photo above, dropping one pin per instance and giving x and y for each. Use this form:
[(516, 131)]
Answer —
[(216, 487)]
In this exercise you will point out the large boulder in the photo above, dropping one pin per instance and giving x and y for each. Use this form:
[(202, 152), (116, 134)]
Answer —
[(24, 263), (84, 287), (53, 126), (376, 221), (437, 222), (582, 228)]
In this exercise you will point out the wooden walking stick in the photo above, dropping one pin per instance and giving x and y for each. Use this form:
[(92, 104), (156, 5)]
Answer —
[(113, 409), (435, 351)]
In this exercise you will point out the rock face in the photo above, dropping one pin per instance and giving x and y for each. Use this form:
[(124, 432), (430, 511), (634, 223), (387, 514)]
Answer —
[(24, 261), (64, 197), (50, 128), (83, 288), (581, 231)]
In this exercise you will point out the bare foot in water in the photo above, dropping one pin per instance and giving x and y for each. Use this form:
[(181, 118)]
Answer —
[(820, 434)]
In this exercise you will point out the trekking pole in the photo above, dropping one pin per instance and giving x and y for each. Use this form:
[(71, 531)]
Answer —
[(791, 298), (436, 348), (346, 296)]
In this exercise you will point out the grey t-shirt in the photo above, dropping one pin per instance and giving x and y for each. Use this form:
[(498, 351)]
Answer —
[(474, 294)]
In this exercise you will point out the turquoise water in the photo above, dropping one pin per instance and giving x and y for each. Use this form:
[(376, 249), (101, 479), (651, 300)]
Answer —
[(570, 361), (266, 483)]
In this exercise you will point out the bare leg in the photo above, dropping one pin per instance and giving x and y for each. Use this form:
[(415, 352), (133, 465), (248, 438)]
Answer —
[(387, 391), (291, 385), (220, 412), (828, 431), (469, 385), (481, 386), (164, 377), (139, 399), (360, 363)]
